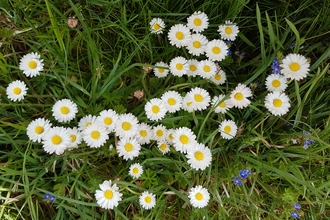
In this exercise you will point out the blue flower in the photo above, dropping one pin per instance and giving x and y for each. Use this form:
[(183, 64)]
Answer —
[(228, 43), (229, 52), (52, 199), (237, 181), (49, 198), (46, 196), (275, 66), (296, 206), (244, 173), (308, 141), (295, 215)]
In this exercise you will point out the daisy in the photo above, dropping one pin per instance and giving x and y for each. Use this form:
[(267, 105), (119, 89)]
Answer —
[(228, 31), (216, 50), (179, 35), (128, 148), (277, 103), (172, 101), (108, 118), (200, 98), (179, 66), (160, 133), (161, 70), (206, 69), (95, 135), (37, 129), (86, 121), (197, 44), (192, 67), (144, 133), (56, 140), (147, 200), (16, 90), (108, 197), (295, 66), (184, 139), (157, 26), (169, 136), (222, 103), (199, 197), (64, 110), (276, 82), (199, 157), (238, 97), (135, 170), (187, 103), (155, 109), (75, 136), (163, 147), (198, 21), (219, 78), (228, 129), (31, 64), (126, 125)]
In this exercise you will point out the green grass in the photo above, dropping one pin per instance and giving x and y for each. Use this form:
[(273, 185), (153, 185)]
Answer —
[(99, 64)]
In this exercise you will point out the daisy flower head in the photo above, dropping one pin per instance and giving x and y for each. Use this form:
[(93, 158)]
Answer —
[(179, 66), (160, 133), (228, 129), (222, 103), (184, 139), (163, 146), (295, 66), (228, 31), (169, 137), (216, 50), (277, 103), (192, 67), (108, 118), (179, 35), (157, 26), (75, 136), (126, 125), (276, 82), (162, 70), (85, 121), (172, 101), (197, 44), (37, 129), (95, 135), (206, 69), (198, 21), (16, 90), (201, 98), (199, 157), (31, 64), (128, 148), (199, 197), (147, 200), (219, 78), (144, 133), (187, 103), (155, 109), (108, 196), (64, 110), (56, 140), (135, 170), (238, 97)]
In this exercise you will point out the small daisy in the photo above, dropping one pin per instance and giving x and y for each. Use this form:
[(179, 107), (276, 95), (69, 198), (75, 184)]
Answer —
[(197, 44), (216, 50), (155, 109), (37, 129), (64, 110), (219, 78), (135, 170), (126, 125), (238, 97), (31, 64), (163, 147), (95, 135), (16, 90), (201, 98), (108, 118), (108, 197), (86, 121), (277, 103), (198, 21), (179, 66), (228, 31), (161, 70), (169, 136), (144, 133), (184, 139), (75, 136), (187, 103), (206, 69), (56, 140), (157, 26), (179, 35), (276, 82), (199, 157), (228, 129), (128, 148), (199, 197), (147, 200), (160, 133), (172, 101), (223, 104), (295, 66), (192, 67)]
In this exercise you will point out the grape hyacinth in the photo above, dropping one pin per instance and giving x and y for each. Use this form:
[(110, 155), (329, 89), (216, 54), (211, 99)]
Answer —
[(275, 66)]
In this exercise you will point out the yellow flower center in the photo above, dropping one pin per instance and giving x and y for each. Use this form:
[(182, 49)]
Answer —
[(88, 124), (147, 199), (199, 155), (184, 139), (126, 126), (162, 147), (216, 50), (170, 136), (56, 139), (39, 129), (108, 194), (227, 129), (197, 44), (222, 104), (276, 83), (143, 133), (155, 109), (277, 103), (238, 96), (17, 91), (32, 64), (188, 103), (135, 170), (294, 66), (65, 110), (198, 98), (107, 121), (228, 30), (199, 196), (159, 133), (73, 137), (156, 26), (128, 147), (171, 101), (217, 77), (179, 35), (179, 66), (161, 70), (207, 68), (95, 134), (197, 22), (193, 68)]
